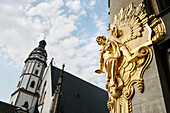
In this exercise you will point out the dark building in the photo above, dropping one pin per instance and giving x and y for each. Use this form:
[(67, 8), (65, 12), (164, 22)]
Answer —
[(7, 108), (71, 94), (77, 95)]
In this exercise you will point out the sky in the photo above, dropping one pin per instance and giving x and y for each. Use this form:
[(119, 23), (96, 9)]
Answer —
[(70, 28)]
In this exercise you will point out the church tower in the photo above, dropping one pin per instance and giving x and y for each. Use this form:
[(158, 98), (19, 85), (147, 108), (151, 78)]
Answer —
[(26, 93)]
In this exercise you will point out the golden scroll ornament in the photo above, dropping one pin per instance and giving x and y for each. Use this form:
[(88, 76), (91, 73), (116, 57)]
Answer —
[(126, 54)]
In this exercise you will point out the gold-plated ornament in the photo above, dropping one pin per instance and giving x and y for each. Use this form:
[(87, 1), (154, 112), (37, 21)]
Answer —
[(126, 54)]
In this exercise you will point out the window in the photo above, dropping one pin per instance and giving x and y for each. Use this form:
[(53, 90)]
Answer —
[(32, 84), (36, 72), (26, 105)]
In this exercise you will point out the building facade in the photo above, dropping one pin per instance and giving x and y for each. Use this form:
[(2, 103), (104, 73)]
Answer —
[(156, 95)]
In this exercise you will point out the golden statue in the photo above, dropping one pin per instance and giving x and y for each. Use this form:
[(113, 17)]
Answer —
[(126, 54)]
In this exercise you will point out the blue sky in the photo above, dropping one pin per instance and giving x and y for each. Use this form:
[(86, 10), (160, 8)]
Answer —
[(70, 28)]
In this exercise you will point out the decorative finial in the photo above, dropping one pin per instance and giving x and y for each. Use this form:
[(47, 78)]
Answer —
[(44, 38), (52, 60), (42, 44), (63, 66)]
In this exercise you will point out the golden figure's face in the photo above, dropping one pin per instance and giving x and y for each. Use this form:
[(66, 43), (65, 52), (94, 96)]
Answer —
[(100, 41)]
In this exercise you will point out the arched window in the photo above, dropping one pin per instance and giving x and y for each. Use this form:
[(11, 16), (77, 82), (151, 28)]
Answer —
[(32, 84), (26, 105), (36, 72)]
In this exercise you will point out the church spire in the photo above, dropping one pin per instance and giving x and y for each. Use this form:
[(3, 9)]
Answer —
[(57, 95), (39, 53), (27, 89), (42, 44)]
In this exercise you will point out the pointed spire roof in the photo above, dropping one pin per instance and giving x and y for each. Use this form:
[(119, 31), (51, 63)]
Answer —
[(40, 49), (39, 52), (42, 44)]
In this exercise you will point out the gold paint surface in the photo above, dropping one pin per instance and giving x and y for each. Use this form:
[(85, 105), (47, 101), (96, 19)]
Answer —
[(126, 54)]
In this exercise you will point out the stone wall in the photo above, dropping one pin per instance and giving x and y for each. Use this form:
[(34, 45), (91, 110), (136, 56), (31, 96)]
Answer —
[(152, 99)]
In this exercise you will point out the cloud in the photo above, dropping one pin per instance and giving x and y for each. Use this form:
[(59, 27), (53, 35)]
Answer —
[(72, 42), (24, 24), (100, 23), (91, 4), (46, 18), (45, 9), (74, 5), (62, 27)]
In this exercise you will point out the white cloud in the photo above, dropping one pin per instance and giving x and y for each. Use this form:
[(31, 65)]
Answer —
[(74, 6), (19, 2), (83, 12), (100, 23), (91, 4), (45, 9), (62, 27), (70, 43), (23, 25)]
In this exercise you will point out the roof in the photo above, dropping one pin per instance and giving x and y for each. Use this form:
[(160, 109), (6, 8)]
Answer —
[(79, 95), (7, 108), (54, 77)]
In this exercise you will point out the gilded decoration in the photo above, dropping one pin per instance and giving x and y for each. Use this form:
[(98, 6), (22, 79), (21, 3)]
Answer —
[(127, 53)]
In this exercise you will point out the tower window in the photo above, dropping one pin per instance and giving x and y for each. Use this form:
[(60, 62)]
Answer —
[(32, 84), (36, 72), (26, 105)]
